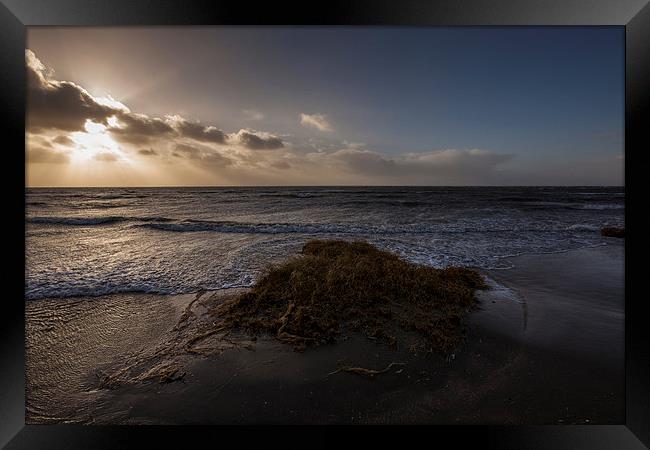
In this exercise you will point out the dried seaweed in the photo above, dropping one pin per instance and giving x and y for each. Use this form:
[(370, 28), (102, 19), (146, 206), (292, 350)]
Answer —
[(336, 286)]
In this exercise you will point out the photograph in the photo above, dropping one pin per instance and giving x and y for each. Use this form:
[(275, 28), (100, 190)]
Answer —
[(325, 225)]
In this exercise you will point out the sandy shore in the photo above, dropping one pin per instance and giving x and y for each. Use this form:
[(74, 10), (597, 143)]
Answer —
[(546, 346)]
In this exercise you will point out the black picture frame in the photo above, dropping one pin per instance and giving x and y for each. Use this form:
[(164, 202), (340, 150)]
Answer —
[(16, 15)]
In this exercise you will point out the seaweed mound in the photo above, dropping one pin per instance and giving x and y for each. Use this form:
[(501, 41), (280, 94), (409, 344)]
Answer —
[(334, 287), (613, 232)]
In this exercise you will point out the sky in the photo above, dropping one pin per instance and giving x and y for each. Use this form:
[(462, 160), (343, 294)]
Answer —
[(217, 106)]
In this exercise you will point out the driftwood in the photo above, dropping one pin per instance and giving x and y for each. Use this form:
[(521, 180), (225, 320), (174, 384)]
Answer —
[(367, 373)]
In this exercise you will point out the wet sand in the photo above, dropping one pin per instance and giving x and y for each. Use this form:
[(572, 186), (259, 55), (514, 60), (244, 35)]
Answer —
[(546, 346)]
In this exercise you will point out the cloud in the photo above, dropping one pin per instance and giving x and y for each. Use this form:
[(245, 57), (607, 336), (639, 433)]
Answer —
[(139, 128), (252, 114), (36, 140), (256, 140), (187, 151), (472, 159), (317, 120), (201, 156), (450, 166), (106, 157), (38, 155), (455, 166), (365, 161), (60, 105), (63, 115), (196, 131), (65, 106), (64, 140)]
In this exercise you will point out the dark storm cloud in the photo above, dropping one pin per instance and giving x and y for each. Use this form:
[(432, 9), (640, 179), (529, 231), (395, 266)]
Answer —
[(258, 141), (65, 106), (198, 132), (59, 105), (140, 129)]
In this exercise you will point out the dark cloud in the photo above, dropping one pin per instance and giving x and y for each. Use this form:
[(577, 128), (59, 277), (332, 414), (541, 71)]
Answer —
[(140, 129), (365, 161), (453, 161), (64, 140), (199, 132), (258, 141), (43, 155), (147, 152), (63, 105), (59, 105), (455, 167), (436, 167), (201, 156)]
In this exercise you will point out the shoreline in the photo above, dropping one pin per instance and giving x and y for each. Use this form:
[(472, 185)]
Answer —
[(518, 364), (483, 270)]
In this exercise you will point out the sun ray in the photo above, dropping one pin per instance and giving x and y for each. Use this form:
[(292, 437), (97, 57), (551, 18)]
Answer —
[(94, 142)]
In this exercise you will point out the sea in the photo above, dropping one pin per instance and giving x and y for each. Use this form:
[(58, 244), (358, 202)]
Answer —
[(97, 241)]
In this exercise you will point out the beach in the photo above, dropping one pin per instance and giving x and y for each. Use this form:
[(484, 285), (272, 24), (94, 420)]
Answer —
[(545, 346)]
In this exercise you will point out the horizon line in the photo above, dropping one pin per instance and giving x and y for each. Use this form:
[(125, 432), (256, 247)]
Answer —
[(329, 185)]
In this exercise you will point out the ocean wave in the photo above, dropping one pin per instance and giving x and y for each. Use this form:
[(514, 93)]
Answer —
[(582, 227), (614, 194), (190, 225), (602, 206), (75, 220), (81, 221), (252, 228), (100, 204), (166, 224), (290, 194), (382, 202), (96, 280), (573, 205), (521, 199), (148, 245)]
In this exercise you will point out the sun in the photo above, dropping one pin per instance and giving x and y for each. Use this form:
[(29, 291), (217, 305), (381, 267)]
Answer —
[(95, 142)]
